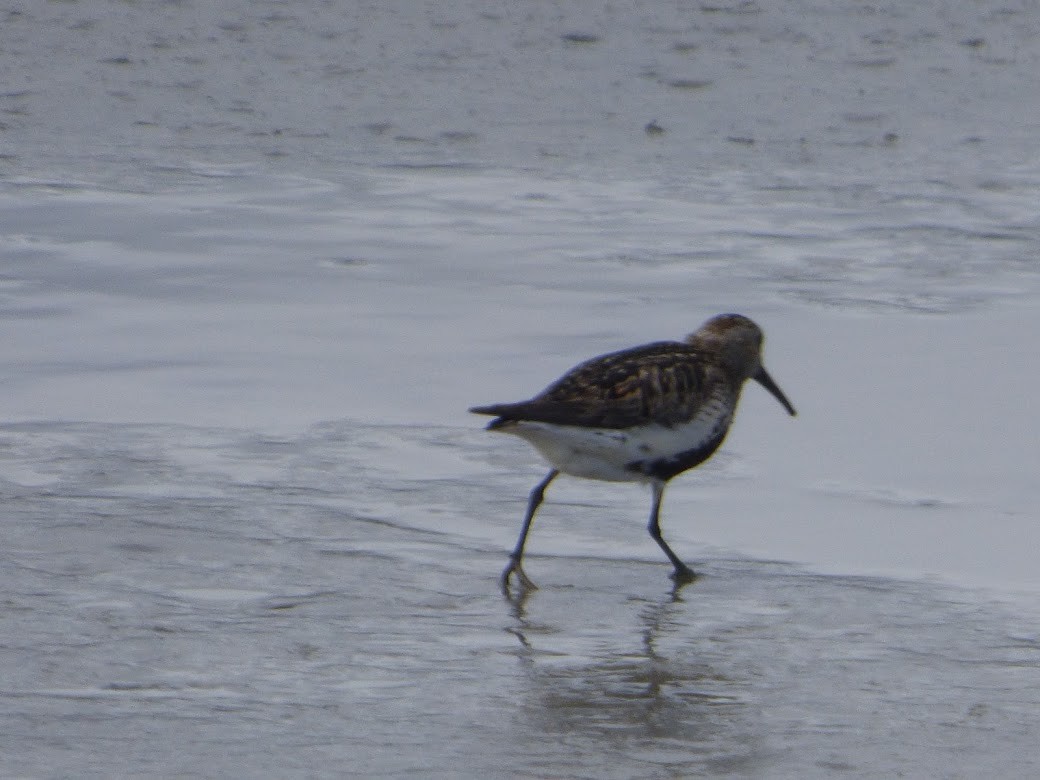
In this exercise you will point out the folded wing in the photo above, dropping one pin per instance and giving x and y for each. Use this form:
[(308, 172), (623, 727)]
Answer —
[(665, 383)]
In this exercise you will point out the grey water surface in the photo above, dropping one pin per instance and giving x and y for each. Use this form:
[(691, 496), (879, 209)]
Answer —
[(258, 258), (190, 601)]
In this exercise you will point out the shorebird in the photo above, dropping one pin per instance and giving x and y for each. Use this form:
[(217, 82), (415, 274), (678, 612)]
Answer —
[(644, 414)]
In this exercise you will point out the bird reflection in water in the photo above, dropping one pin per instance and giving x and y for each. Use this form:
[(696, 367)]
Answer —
[(588, 677)]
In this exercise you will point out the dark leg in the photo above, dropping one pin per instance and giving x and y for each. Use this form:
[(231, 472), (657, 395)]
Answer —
[(682, 573), (535, 500)]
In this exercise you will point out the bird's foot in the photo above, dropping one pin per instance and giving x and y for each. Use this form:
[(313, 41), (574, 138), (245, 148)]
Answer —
[(683, 575), (525, 582)]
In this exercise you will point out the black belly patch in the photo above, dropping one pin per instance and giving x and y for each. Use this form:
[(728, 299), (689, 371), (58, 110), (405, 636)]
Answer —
[(666, 468)]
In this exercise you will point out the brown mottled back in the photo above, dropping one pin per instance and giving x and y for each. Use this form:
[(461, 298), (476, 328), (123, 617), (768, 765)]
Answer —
[(665, 382)]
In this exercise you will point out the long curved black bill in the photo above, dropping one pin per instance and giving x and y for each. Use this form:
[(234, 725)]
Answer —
[(763, 378)]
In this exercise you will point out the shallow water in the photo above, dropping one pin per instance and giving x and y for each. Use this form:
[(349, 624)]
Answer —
[(256, 260), (208, 602)]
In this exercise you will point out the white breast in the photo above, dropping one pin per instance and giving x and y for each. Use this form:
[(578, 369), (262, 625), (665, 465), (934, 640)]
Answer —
[(607, 454)]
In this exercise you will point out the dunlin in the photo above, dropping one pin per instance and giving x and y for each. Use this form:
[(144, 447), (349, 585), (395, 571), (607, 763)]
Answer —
[(643, 414)]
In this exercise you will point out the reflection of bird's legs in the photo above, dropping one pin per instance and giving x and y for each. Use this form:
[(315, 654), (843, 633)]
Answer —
[(515, 566)]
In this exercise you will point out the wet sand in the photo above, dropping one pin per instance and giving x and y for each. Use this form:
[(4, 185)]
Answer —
[(271, 621)]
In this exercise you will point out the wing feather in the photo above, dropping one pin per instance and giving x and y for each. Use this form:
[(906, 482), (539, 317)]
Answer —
[(665, 382)]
